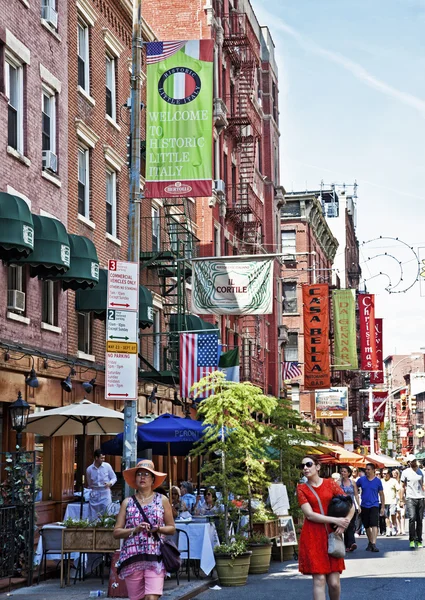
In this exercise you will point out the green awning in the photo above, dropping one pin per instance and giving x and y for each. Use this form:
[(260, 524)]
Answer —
[(95, 301), (189, 322), (51, 255), (84, 270), (16, 228)]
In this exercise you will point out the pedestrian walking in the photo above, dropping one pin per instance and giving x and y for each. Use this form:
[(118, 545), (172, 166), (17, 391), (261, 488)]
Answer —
[(401, 509), (313, 547), (350, 488), (100, 477), (412, 493), (390, 494), (372, 496), (140, 562)]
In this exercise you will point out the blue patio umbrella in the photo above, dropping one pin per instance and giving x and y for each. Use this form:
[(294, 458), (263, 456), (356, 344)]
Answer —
[(167, 435)]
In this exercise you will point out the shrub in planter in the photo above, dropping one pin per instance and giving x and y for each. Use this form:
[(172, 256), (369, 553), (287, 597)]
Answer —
[(261, 548), (232, 563)]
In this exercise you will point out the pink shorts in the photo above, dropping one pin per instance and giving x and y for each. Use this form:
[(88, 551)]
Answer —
[(143, 583)]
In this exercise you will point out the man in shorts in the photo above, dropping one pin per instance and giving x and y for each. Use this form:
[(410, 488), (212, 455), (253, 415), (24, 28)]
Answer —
[(390, 493), (372, 496), (412, 488)]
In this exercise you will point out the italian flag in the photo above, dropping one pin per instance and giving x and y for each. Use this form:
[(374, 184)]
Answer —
[(229, 364), (179, 85)]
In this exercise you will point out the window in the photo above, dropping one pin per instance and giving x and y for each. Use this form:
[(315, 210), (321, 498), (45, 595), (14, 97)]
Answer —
[(156, 231), (49, 13), (111, 203), (291, 347), (49, 302), (83, 57), (234, 184), (15, 92), (156, 339), (110, 87), (16, 286), (83, 182), (289, 297), (84, 332), (289, 242), (48, 131), (291, 209)]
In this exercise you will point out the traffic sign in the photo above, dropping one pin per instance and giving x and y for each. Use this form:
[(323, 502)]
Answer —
[(371, 424), (126, 347), (121, 376), (121, 326), (123, 285)]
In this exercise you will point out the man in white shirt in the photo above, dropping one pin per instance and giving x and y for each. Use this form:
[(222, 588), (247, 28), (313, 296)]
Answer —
[(412, 481), (390, 493), (100, 478)]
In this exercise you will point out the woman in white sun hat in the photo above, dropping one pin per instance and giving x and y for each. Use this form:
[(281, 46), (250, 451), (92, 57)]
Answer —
[(140, 562)]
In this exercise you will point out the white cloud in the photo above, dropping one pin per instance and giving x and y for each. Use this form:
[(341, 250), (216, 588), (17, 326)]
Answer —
[(352, 67)]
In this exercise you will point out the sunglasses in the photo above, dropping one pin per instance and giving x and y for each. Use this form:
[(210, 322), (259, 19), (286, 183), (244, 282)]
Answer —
[(307, 464)]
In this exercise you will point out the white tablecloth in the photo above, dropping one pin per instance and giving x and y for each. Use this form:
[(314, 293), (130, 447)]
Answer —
[(50, 556), (202, 540), (73, 511)]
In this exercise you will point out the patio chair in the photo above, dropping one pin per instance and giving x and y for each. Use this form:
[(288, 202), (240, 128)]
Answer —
[(184, 552), (52, 544)]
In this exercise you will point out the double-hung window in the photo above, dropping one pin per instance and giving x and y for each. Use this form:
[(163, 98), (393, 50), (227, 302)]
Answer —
[(291, 347), (289, 289), (156, 230), (111, 203), (289, 242), (85, 321), (14, 80), (49, 303), (156, 340), (48, 131), (84, 182), (110, 88), (16, 280), (83, 57)]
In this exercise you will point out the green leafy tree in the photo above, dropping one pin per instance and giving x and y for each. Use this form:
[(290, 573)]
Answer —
[(234, 440)]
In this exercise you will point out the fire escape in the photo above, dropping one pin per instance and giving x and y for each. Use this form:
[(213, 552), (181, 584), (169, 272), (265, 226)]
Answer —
[(244, 204), (173, 246)]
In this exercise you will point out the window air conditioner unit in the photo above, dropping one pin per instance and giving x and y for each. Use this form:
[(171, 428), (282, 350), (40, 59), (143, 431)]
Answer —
[(219, 187), (16, 300), (50, 161), (50, 15)]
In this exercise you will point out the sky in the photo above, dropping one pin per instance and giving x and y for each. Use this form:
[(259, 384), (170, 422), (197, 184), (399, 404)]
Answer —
[(352, 108)]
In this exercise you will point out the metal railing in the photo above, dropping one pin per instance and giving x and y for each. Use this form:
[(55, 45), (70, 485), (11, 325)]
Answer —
[(168, 234)]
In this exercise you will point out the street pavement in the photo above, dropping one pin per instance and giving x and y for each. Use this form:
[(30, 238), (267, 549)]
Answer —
[(395, 573)]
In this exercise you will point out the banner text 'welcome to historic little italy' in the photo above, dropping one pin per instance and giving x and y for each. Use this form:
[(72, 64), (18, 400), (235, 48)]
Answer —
[(179, 119)]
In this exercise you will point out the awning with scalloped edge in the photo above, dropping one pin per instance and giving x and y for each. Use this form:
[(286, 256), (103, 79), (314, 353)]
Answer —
[(16, 228), (51, 255), (83, 272)]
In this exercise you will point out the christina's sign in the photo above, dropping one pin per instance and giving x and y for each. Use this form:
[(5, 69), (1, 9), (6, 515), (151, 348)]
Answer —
[(179, 118), (232, 287)]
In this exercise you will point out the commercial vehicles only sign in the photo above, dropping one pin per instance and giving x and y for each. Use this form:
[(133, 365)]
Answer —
[(122, 330)]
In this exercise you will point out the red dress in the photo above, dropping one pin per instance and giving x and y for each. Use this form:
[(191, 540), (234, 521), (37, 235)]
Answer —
[(313, 547)]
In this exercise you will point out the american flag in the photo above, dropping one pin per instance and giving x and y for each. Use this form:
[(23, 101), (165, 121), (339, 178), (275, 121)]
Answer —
[(290, 370), (199, 355), (157, 51)]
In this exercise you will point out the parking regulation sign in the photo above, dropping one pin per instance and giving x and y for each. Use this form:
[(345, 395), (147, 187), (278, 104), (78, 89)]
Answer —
[(123, 285)]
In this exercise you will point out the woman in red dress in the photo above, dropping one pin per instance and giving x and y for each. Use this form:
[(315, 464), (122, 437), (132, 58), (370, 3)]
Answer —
[(313, 548)]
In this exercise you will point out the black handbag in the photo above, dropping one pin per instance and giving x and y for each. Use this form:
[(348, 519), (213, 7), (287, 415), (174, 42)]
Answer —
[(169, 552)]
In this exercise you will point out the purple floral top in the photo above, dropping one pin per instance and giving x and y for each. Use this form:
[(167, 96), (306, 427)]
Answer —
[(142, 551)]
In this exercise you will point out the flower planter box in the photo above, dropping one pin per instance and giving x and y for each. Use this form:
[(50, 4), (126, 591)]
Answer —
[(268, 528), (90, 539)]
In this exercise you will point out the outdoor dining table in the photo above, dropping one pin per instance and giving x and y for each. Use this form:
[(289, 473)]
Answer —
[(203, 538)]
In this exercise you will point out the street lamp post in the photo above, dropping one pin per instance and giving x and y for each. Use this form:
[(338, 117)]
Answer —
[(19, 412)]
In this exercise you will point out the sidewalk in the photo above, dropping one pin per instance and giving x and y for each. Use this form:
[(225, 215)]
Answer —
[(48, 590)]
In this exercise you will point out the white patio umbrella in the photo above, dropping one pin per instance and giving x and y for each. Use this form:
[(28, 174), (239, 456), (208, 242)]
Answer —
[(387, 460), (82, 418)]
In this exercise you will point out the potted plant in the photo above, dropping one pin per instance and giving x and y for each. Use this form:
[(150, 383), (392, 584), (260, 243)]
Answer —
[(234, 441), (233, 562), (265, 522), (261, 548), (83, 534)]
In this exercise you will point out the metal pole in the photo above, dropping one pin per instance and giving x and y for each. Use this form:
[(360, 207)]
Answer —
[(371, 429), (130, 408)]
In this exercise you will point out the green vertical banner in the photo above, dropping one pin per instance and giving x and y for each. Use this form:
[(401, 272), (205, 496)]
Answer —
[(179, 118), (344, 314)]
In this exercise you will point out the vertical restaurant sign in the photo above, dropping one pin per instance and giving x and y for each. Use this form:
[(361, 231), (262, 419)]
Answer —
[(316, 336), (179, 118), (344, 314), (368, 355), (378, 398), (378, 376)]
